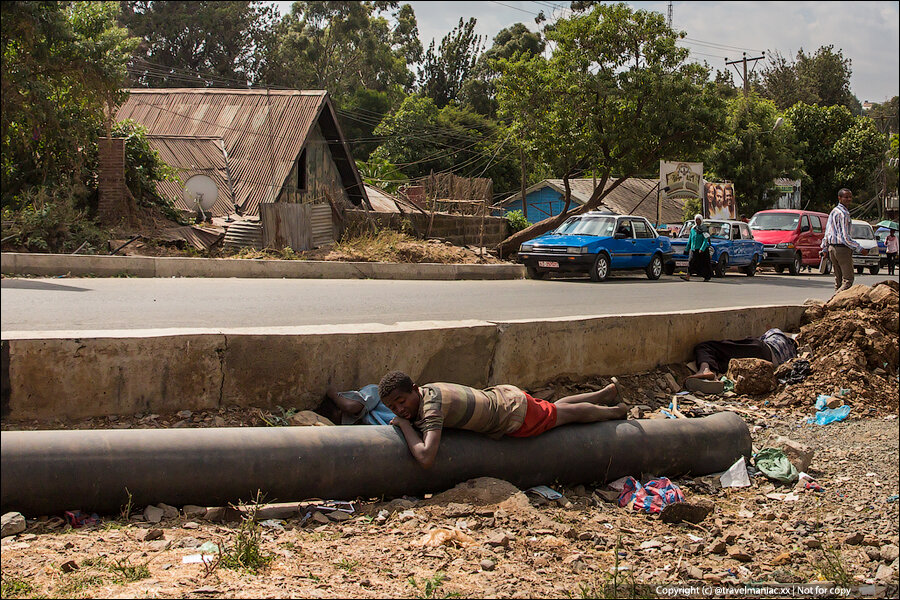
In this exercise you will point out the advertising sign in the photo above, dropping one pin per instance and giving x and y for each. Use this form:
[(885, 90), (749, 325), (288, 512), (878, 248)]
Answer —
[(718, 201), (683, 179), (788, 193)]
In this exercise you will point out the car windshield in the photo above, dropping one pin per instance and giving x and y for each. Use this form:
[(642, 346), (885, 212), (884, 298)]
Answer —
[(861, 232), (776, 221), (716, 229), (599, 226)]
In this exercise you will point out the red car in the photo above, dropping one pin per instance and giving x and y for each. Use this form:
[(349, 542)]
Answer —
[(791, 238)]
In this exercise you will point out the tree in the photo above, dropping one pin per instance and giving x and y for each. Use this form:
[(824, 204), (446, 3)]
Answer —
[(751, 152), (199, 44), (63, 66), (885, 115), (616, 95), (446, 69), (822, 78), (343, 46), (839, 150)]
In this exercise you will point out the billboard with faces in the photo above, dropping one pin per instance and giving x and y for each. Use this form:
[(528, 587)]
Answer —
[(718, 201)]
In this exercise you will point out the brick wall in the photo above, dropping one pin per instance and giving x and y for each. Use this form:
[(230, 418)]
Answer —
[(459, 229), (112, 180)]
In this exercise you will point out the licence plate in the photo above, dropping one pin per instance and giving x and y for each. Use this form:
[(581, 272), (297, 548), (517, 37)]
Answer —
[(681, 263), (548, 264)]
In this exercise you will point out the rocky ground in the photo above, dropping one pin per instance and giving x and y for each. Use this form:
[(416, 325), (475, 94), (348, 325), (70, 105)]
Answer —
[(486, 538)]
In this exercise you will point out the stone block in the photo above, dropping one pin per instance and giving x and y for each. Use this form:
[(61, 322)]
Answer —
[(752, 376)]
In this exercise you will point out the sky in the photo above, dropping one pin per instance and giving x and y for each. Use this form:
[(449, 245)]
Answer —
[(866, 32)]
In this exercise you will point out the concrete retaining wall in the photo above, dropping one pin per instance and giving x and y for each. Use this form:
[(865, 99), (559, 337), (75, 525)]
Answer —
[(82, 374), (147, 266)]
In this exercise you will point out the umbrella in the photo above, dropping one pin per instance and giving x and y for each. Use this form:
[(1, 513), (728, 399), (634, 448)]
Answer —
[(888, 224)]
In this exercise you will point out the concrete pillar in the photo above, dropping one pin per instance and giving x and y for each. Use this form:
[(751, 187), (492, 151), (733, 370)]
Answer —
[(111, 180)]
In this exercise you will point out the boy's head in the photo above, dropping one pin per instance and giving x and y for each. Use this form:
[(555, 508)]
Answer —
[(400, 394)]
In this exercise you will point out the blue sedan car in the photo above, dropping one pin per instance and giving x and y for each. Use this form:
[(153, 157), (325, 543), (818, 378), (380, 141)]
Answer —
[(597, 243), (731, 245)]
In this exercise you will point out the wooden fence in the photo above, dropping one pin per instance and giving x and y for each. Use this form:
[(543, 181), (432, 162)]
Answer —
[(296, 226)]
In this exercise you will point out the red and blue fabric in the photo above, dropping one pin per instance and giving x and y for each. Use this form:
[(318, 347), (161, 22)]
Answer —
[(651, 497)]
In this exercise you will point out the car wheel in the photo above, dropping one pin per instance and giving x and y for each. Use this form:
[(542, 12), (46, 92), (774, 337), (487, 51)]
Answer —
[(655, 268), (874, 270), (794, 267), (859, 270), (722, 266), (533, 273), (750, 269), (779, 268), (600, 270)]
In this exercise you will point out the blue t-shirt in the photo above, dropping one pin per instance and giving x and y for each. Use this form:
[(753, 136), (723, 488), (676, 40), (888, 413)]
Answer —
[(374, 411)]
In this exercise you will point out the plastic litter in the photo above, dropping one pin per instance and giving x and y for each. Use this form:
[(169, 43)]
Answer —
[(273, 524), (736, 475), (774, 464), (209, 547), (546, 492), (78, 519), (729, 384), (808, 482), (650, 497), (893, 498), (198, 558), (799, 371), (830, 415)]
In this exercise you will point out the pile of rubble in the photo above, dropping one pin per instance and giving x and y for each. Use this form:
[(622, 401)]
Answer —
[(852, 348)]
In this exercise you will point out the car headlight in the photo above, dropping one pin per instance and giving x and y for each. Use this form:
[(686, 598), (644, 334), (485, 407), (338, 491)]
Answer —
[(784, 245), (578, 250), (526, 248)]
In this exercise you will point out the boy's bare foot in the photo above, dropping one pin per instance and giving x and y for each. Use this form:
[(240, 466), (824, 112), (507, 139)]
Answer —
[(703, 374), (620, 389), (621, 410)]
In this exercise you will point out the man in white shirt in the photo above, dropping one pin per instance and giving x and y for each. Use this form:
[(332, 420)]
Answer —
[(838, 243)]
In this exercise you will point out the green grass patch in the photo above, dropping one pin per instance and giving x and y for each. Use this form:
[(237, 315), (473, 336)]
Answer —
[(13, 587)]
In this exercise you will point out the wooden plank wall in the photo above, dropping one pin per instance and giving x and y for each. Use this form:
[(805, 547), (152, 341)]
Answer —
[(286, 225)]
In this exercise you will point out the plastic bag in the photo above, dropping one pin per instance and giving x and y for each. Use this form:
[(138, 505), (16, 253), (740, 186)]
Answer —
[(830, 415)]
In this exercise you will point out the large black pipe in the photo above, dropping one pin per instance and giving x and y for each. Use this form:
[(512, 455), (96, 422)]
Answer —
[(46, 472)]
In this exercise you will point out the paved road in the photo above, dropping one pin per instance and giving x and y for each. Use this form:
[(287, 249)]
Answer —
[(103, 304)]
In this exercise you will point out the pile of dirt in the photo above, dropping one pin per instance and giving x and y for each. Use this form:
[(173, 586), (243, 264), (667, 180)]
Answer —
[(853, 344), (390, 246)]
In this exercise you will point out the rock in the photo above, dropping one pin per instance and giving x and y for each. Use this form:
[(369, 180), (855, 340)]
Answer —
[(487, 565), (158, 545), (68, 566), (153, 514), (673, 385), (218, 421), (799, 454), (169, 512), (812, 543), (306, 418), (889, 552), (584, 536), (650, 544), (854, 540), (184, 414), (693, 572), (752, 376), (718, 547), (192, 511), (188, 542), (884, 573), (834, 402), (216, 514), (277, 510), (153, 534), (782, 559), (455, 510), (500, 539), (13, 523), (851, 297), (738, 553), (692, 512), (191, 525), (320, 518), (339, 515), (873, 554)]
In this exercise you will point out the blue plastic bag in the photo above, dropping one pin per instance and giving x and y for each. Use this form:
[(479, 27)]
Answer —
[(830, 415), (822, 401)]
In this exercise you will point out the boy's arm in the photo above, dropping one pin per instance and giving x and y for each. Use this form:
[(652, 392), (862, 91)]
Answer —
[(344, 404), (423, 450)]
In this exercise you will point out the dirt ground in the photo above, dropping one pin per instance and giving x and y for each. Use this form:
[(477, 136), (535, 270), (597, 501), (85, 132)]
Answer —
[(489, 539)]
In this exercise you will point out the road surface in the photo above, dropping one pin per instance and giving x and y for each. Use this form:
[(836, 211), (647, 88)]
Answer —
[(121, 303)]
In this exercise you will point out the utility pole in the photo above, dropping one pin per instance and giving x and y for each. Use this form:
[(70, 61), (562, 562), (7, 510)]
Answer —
[(670, 9), (524, 201), (745, 60)]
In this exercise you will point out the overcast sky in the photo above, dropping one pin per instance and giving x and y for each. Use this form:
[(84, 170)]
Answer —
[(866, 32)]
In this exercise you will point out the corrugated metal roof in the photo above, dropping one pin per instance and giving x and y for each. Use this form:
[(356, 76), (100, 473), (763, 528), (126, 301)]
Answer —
[(381, 201), (262, 131), (194, 156), (636, 196)]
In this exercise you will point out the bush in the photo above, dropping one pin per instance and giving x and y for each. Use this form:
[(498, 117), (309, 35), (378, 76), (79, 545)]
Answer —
[(516, 220), (52, 220)]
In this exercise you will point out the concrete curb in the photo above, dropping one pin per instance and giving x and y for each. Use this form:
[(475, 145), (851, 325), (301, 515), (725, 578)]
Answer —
[(15, 263), (78, 374)]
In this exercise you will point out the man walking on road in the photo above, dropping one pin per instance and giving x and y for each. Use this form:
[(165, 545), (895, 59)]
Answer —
[(838, 244)]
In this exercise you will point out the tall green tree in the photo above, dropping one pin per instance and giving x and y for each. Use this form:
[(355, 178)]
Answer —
[(839, 150), (63, 67), (752, 152), (616, 95), (446, 69), (822, 78), (199, 44)]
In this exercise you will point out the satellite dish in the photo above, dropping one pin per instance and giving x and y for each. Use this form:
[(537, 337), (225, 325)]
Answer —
[(200, 193)]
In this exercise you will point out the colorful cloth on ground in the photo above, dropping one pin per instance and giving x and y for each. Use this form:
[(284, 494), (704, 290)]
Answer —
[(540, 416), (837, 230), (782, 346), (775, 464), (651, 497), (495, 411), (374, 411)]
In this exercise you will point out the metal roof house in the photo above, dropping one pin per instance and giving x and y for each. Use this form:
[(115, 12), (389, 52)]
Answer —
[(257, 145), (635, 196)]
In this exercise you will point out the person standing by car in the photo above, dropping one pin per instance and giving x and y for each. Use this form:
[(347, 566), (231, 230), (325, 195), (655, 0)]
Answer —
[(838, 243), (891, 248), (698, 250)]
